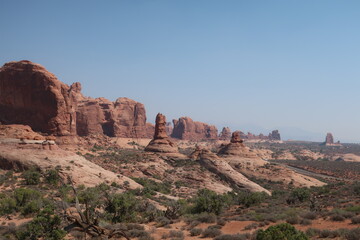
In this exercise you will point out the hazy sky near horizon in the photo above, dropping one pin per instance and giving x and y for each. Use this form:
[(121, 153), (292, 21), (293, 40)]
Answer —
[(251, 65)]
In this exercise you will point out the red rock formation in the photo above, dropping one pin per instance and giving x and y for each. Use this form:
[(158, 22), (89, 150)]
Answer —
[(31, 95), (225, 134), (187, 129), (161, 142), (329, 139), (236, 148), (274, 135)]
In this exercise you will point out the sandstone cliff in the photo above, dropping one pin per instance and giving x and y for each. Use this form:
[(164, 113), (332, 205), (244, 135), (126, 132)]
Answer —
[(31, 95), (187, 129)]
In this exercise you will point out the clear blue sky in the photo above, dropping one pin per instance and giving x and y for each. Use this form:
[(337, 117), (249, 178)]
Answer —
[(250, 65)]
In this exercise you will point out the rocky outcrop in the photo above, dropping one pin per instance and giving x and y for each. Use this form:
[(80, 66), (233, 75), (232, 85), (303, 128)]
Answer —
[(225, 134), (329, 139), (187, 129), (236, 148), (223, 169), (161, 142), (274, 135), (80, 170), (31, 95)]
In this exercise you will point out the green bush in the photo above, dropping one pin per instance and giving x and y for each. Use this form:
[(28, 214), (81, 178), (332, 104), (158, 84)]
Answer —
[(122, 207), (283, 231), (52, 177), (7, 206), (249, 198), (210, 202), (24, 195), (299, 194), (46, 225), (31, 177), (211, 232), (195, 231)]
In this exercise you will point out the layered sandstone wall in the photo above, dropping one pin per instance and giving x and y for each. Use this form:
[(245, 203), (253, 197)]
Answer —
[(31, 95)]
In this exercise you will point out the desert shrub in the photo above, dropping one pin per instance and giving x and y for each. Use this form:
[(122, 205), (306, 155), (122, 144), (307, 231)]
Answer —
[(233, 237), (283, 231), (355, 220), (151, 187), (325, 233), (122, 207), (337, 218), (299, 194), (309, 215), (176, 235), (203, 217), (251, 226), (52, 177), (195, 231), (356, 188), (7, 206), (249, 198), (137, 233), (31, 177), (221, 222), (311, 232), (24, 195), (353, 234), (293, 220), (209, 201), (175, 209), (305, 222), (353, 209), (162, 221), (31, 207), (211, 232), (46, 225)]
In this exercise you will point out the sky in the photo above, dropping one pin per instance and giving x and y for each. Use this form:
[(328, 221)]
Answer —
[(251, 65)]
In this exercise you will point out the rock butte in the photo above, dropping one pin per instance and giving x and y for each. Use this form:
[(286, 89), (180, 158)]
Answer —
[(187, 129), (32, 96), (161, 142)]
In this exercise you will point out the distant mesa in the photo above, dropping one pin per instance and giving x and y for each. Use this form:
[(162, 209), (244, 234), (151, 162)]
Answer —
[(161, 142), (329, 141), (187, 129)]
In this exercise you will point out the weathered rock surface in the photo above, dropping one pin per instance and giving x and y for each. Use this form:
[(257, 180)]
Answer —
[(161, 142), (220, 167), (225, 134), (72, 165), (187, 129), (236, 148), (18, 131), (31, 95)]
